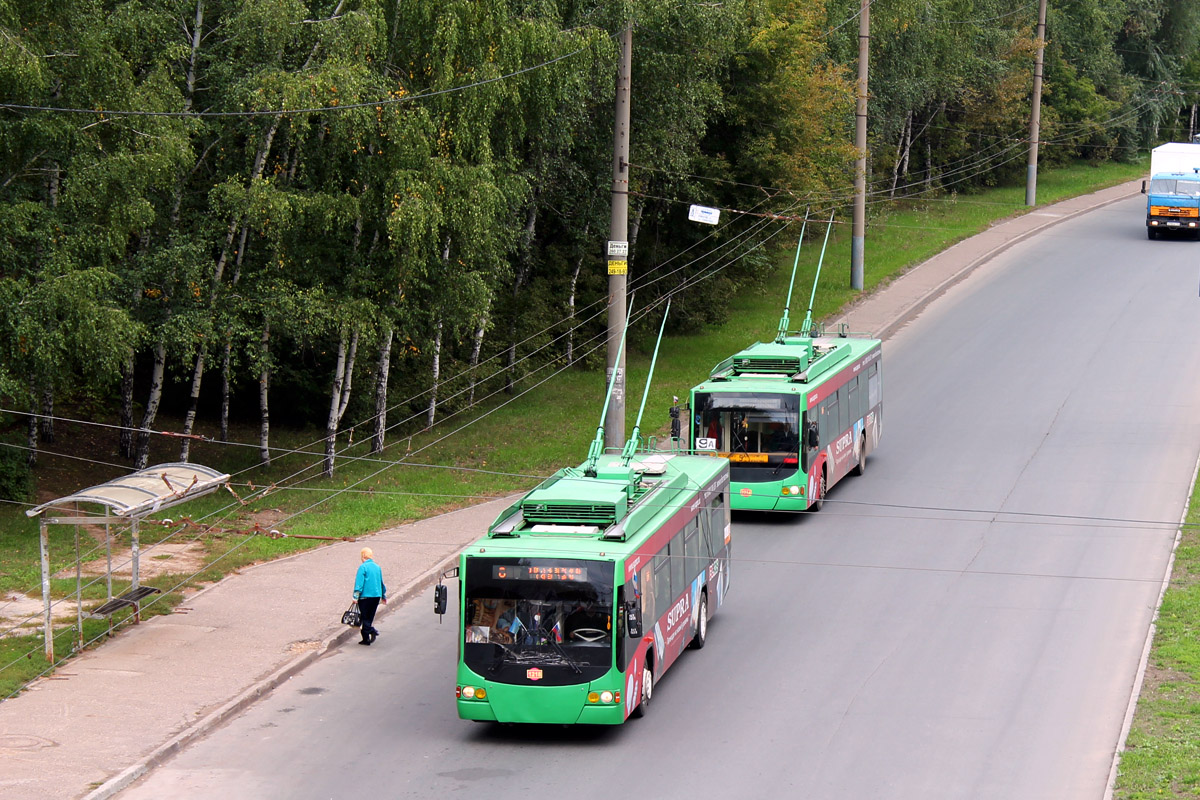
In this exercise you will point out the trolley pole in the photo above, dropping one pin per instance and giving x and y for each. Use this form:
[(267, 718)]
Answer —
[(858, 242), (1035, 116), (618, 251)]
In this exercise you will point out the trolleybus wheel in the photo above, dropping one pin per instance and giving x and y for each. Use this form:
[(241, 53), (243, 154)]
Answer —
[(647, 686), (862, 458), (701, 623), (819, 501)]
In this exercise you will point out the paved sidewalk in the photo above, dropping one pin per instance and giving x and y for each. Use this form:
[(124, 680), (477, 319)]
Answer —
[(111, 714)]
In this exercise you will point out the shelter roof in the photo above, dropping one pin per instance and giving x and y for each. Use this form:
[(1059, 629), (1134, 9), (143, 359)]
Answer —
[(145, 491)]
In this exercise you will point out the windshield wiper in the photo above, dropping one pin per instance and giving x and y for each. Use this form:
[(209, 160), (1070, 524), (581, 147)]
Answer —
[(565, 657)]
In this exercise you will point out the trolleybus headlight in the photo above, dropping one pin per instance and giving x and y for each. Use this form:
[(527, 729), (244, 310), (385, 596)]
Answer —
[(468, 692), (606, 697), (796, 490)]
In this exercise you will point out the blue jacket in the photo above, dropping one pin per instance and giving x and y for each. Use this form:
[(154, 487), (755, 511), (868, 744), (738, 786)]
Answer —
[(368, 581)]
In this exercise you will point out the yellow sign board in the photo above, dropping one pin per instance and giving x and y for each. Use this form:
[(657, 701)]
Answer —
[(747, 458), (618, 266)]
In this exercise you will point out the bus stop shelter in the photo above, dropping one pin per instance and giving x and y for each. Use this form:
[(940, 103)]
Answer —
[(127, 499)]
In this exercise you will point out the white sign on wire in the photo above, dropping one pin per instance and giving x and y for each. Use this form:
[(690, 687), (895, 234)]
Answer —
[(709, 216)]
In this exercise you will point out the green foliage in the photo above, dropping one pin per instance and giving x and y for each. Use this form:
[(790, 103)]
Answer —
[(399, 169), (16, 478)]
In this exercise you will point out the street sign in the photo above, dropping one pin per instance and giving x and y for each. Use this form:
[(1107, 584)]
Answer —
[(618, 267), (709, 216), (618, 249)]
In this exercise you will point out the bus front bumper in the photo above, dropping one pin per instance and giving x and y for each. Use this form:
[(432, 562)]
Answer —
[(747, 497), (548, 705)]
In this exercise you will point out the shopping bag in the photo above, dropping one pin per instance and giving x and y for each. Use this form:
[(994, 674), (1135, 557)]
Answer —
[(351, 616)]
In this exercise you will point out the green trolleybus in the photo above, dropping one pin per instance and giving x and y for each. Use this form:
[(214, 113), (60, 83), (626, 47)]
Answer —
[(792, 416), (585, 591), (588, 589)]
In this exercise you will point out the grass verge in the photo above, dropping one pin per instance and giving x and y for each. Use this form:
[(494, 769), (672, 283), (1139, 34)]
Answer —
[(1162, 755)]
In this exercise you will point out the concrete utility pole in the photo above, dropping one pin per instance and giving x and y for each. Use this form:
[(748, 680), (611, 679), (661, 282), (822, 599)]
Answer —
[(858, 243), (618, 251), (1035, 117)]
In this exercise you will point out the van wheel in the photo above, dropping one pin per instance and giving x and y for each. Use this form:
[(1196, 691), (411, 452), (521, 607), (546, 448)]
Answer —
[(1151, 234), (647, 686), (819, 501), (701, 624)]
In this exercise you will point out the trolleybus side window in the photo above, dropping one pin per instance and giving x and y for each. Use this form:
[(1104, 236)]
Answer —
[(662, 584), (873, 385), (691, 549), (647, 589), (678, 566), (715, 530), (829, 419), (855, 398), (843, 419)]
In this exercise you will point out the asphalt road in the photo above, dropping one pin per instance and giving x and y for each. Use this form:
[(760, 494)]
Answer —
[(964, 621)]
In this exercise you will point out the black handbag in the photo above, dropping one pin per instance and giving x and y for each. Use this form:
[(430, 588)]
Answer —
[(352, 617)]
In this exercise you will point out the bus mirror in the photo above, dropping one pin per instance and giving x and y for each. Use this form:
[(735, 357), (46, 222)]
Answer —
[(633, 615), (439, 599), (813, 439), (1143, 187)]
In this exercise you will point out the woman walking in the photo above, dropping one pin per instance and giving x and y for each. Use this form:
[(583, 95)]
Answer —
[(369, 590)]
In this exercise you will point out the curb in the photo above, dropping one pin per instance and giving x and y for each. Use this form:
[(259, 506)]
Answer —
[(124, 779)]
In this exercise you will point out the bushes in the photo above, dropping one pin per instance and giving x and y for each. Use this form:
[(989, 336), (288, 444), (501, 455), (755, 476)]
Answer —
[(16, 478)]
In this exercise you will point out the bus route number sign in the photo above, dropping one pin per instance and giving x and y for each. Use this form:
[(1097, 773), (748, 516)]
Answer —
[(524, 572)]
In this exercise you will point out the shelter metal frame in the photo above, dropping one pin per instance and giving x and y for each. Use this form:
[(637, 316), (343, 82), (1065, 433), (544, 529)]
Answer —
[(129, 498)]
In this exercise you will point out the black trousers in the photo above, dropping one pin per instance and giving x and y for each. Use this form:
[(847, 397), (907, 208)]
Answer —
[(367, 607)]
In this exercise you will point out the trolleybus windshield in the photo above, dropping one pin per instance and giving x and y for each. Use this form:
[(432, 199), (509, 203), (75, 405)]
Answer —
[(542, 620), (758, 433)]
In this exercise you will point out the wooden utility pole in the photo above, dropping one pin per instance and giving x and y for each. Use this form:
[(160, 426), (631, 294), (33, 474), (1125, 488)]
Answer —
[(858, 242), (1035, 116), (618, 251)]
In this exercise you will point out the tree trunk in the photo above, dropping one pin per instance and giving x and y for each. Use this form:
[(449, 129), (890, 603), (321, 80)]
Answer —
[(47, 421), (437, 370), (381, 387), (264, 386), (190, 80), (343, 375), (928, 165), (571, 306), (156, 387), (226, 358), (126, 443), (523, 269), (189, 421), (900, 168), (635, 226), (476, 347), (31, 436)]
